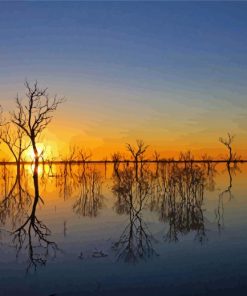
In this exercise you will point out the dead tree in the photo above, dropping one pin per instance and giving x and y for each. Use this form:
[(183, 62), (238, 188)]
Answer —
[(137, 153), (116, 158), (228, 143), (34, 113), (156, 157), (13, 138), (83, 156)]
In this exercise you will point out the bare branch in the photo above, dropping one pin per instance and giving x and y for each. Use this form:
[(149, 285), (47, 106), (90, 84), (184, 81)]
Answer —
[(34, 112), (138, 152), (13, 137)]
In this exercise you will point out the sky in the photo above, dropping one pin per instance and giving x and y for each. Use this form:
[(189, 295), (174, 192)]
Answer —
[(171, 73)]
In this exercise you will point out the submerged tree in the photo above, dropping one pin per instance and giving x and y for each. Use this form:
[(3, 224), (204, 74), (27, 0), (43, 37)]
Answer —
[(34, 113)]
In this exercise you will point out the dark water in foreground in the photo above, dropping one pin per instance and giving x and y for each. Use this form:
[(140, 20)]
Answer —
[(167, 229)]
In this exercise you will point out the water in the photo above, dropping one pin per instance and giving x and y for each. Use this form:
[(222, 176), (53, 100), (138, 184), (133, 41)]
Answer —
[(175, 229)]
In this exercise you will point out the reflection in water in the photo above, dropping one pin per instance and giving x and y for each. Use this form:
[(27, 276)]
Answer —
[(85, 183), (219, 213), (32, 234), (90, 198), (178, 198), (131, 188), (173, 193), (65, 180), (16, 198)]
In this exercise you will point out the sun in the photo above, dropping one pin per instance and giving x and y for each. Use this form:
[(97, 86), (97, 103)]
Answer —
[(42, 151)]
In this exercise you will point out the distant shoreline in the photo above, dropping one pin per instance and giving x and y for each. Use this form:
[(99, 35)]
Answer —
[(122, 161)]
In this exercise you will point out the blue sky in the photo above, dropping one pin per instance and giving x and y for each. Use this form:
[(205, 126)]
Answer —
[(132, 69)]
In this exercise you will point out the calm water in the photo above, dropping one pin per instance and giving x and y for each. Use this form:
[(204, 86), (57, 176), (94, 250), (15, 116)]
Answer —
[(116, 230)]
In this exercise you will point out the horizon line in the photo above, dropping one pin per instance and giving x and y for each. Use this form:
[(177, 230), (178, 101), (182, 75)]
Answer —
[(123, 161)]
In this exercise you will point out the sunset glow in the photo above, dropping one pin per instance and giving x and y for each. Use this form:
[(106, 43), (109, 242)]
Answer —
[(137, 113), (42, 151), (125, 75)]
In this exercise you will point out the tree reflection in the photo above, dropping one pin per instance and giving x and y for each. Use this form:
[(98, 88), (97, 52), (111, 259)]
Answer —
[(177, 197), (33, 234), (90, 198), (132, 191), (16, 198), (219, 213), (66, 180), (173, 191)]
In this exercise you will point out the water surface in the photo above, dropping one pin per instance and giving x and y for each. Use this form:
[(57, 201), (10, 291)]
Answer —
[(95, 229)]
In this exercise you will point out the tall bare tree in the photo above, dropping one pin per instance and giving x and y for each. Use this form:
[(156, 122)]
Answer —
[(34, 113)]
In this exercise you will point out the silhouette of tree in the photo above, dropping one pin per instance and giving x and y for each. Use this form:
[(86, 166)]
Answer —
[(14, 139), (83, 155), (186, 156), (156, 155), (138, 152), (116, 158), (228, 143), (34, 113)]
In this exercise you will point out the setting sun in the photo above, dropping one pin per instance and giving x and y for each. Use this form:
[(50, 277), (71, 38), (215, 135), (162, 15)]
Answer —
[(44, 152)]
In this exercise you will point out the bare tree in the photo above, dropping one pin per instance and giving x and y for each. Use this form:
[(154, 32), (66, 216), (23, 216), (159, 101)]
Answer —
[(228, 143), (84, 155), (156, 156), (71, 156), (116, 158), (34, 113), (14, 140), (137, 153)]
